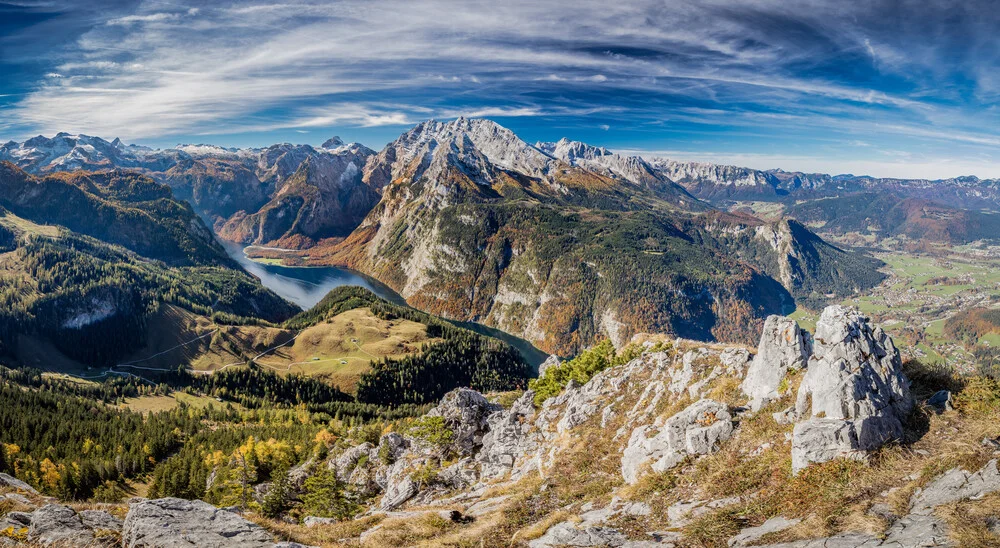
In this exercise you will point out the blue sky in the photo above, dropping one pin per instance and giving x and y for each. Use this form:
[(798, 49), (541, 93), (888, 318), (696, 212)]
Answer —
[(885, 88)]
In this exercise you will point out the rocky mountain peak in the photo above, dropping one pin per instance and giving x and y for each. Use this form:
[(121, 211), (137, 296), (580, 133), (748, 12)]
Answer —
[(498, 144), (571, 151), (333, 142)]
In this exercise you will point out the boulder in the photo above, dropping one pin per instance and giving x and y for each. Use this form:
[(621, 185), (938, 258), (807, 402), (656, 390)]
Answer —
[(399, 489), (17, 520), (14, 483), (908, 532), (735, 360), (392, 446), (941, 401), (465, 412), (682, 512), (783, 347), (58, 525), (99, 520), (313, 521), (697, 430), (176, 523), (460, 475), (854, 396)]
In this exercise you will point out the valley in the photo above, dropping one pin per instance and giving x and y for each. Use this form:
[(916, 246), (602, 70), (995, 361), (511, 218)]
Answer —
[(429, 347)]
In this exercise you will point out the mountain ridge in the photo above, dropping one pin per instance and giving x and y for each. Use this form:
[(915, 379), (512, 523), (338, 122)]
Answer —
[(467, 220)]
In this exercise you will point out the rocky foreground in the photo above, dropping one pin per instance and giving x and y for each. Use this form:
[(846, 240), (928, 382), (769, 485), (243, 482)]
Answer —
[(814, 441)]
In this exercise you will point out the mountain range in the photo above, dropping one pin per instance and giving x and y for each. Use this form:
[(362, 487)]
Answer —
[(560, 243)]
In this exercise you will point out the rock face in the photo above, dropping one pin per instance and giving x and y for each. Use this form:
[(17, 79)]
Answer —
[(176, 523), (854, 395), (783, 347), (465, 412), (697, 430), (956, 485), (14, 483), (55, 524), (508, 439)]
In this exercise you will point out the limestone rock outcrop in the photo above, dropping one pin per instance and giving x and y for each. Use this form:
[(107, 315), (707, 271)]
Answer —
[(58, 525), (508, 440), (179, 523), (783, 347), (466, 413), (697, 430), (854, 396)]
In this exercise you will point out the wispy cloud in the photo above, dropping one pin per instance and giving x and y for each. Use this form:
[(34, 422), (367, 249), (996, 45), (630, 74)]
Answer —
[(708, 73)]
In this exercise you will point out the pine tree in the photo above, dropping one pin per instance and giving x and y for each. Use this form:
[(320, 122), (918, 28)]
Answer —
[(276, 501)]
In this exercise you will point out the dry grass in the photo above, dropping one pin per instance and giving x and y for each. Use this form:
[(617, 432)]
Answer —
[(414, 531), (321, 535), (972, 524)]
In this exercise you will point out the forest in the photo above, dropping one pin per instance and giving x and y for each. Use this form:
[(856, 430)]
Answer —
[(463, 358)]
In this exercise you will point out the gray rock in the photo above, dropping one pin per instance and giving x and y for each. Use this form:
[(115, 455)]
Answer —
[(16, 519), (465, 412), (298, 475), (682, 513), (752, 534), (551, 361), (697, 430), (854, 395), (399, 491), (348, 460), (882, 510), (393, 446), (509, 439), (55, 524), (99, 520), (177, 523), (567, 534), (14, 483), (735, 360), (18, 498), (941, 401), (460, 475), (486, 506), (313, 521), (616, 508), (917, 531), (956, 485), (783, 347), (843, 540), (908, 532)]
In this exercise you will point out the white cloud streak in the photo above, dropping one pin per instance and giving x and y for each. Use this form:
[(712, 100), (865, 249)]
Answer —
[(764, 67)]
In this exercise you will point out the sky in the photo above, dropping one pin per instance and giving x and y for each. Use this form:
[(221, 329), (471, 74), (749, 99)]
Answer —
[(887, 88)]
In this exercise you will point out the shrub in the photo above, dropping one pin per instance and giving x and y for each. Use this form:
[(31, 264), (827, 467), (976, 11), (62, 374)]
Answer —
[(581, 368), (433, 430)]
